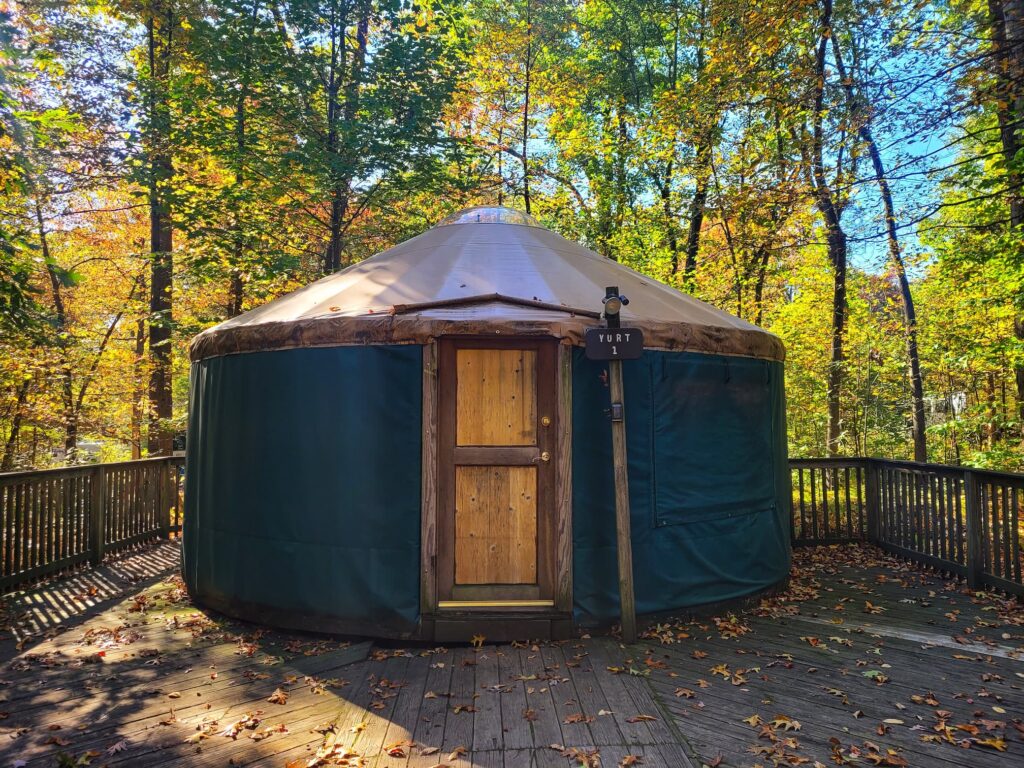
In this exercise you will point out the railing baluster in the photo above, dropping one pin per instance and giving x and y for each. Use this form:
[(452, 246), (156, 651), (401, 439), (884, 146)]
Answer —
[(836, 507), (803, 511), (814, 509), (987, 527), (1015, 534), (957, 510), (849, 512), (1007, 533)]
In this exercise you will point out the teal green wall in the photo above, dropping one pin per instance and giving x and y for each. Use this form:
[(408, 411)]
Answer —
[(303, 484), (708, 481)]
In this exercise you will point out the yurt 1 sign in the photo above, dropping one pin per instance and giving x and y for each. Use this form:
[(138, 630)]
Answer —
[(419, 447)]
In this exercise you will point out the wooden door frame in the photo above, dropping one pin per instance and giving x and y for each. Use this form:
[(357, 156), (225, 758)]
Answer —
[(561, 498)]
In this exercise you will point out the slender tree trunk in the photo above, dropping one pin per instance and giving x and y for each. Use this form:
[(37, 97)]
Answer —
[(526, 104), (236, 288), (837, 248), (160, 32), (341, 149), (703, 157), (697, 205), (138, 388), (831, 211), (1006, 18), (11, 444), (671, 227), (61, 318), (332, 256), (761, 259), (861, 112), (237, 283), (501, 169)]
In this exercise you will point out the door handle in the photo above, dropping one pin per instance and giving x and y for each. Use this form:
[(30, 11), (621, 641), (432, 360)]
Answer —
[(545, 456)]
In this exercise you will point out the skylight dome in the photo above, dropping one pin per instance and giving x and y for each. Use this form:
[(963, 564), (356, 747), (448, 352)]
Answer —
[(490, 214)]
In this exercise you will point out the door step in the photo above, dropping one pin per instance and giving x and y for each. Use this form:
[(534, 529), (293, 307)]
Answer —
[(496, 626)]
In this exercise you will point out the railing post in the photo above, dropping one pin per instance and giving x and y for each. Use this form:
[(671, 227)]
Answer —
[(871, 500), (164, 473), (972, 511), (97, 515)]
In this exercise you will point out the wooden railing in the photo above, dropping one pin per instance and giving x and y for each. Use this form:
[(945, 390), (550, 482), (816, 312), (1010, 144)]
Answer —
[(961, 521), (958, 520), (55, 519)]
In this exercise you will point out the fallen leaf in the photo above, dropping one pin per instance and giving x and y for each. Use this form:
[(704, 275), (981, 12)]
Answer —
[(278, 697), (457, 753), (995, 742), (577, 717)]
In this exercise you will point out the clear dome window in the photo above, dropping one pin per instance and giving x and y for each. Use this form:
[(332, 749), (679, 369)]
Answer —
[(490, 214)]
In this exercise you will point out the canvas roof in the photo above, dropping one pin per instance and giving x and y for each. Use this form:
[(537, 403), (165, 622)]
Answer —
[(484, 271)]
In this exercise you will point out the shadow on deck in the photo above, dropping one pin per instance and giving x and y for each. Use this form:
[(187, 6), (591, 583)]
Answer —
[(863, 660)]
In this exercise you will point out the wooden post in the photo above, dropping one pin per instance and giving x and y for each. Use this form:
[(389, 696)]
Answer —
[(871, 500), (972, 511), (166, 470), (622, 525), (97, 515)]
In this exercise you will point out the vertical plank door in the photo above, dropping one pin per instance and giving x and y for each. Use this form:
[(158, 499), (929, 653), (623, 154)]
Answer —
[(497, 437)]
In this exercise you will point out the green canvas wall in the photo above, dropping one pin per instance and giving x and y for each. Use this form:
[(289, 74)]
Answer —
[(303, 485), (708, 481)]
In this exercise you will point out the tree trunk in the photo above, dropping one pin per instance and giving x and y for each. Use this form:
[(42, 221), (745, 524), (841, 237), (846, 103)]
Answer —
[(762, 258), (671, 228), (837, 249), (1006, 18), (342, 191), (896, 256), (160, 26), (11, 444), (237, 284), (138, 388), (837, 246), (697, 205), (526, 105), (61, 317)]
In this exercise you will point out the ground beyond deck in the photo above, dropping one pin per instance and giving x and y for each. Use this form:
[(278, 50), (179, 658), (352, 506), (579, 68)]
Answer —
[(861, 661)]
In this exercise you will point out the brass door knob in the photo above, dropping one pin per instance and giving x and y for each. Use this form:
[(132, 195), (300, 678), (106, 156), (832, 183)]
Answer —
[(545, 456), (545, 421)]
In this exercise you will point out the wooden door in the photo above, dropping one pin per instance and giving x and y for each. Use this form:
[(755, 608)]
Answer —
[(496, 471)]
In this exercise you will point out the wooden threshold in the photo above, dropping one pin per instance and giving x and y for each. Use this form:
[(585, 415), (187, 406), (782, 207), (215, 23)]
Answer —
[(460, 604)]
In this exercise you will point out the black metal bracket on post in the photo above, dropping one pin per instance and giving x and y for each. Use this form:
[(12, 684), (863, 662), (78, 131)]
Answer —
[(611, 319)]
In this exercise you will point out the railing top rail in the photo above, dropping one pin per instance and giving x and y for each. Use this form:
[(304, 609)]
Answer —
[(942, 469), (25, 474), (830, 461), (951, 469)]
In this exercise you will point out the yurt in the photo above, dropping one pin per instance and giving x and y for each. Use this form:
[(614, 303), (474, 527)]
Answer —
[(419, 447)]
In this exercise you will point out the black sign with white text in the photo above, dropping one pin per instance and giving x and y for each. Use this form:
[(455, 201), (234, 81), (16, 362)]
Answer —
[(614, 343)]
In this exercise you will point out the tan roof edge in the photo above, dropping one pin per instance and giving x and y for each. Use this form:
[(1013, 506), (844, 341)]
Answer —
[(417, 329)]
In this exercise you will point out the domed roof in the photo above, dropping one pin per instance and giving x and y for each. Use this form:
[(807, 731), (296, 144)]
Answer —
[(482, 271)]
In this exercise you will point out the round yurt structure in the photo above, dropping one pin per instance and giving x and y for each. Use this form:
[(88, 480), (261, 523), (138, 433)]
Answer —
[(418, 446)]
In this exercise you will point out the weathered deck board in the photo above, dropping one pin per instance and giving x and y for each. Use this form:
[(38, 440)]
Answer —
[(950, 658)]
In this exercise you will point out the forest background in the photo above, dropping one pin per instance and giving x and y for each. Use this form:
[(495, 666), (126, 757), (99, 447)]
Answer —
[(845, 173)]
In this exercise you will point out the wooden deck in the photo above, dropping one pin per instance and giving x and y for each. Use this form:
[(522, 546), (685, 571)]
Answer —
[(862, 661)]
